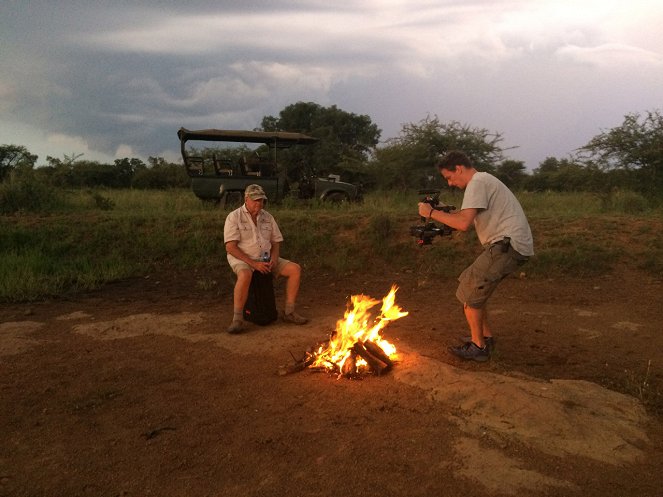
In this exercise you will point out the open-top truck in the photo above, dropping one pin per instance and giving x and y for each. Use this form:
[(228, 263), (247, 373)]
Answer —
[(222, 180)]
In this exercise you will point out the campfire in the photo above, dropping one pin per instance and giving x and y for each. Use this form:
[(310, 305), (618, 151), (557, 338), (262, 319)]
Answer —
[(356, 346)]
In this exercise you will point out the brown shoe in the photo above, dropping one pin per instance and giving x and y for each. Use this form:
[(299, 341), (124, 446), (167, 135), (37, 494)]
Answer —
[(236, 327), (294, 318)]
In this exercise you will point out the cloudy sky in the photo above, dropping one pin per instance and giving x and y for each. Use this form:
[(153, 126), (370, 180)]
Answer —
[(118, 78)]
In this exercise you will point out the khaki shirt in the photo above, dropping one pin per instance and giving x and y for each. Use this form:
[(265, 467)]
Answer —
[(254, 239)]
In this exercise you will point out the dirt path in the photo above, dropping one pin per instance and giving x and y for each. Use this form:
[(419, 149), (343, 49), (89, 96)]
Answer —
[(136, 390)]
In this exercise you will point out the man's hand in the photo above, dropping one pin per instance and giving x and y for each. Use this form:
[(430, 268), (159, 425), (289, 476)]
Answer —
[(263, 267), (425, 210), (235, 251)]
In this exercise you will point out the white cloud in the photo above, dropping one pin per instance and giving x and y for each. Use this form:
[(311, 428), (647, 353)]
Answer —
[(123, 151), (611, 55), (300, 32), (132, 76), (60, 140)]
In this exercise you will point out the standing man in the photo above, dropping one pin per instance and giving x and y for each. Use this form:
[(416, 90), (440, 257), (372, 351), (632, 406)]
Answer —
[(252, 239), (504, 233)]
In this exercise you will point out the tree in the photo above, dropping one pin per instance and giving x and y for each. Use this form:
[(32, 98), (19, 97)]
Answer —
[(346, 139), (511, 173), (408, 160), (636, 145), (569, 175), (160, 174), (543, 177), (125, 170), (13, 157)]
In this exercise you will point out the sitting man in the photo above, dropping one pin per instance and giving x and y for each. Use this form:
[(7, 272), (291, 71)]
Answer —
[(252, 239)]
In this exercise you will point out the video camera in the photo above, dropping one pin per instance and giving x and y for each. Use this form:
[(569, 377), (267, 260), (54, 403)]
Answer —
[(428, 230)]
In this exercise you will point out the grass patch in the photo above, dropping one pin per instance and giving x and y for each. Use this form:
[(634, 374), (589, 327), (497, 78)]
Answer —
[(643, 386), (93, 237)]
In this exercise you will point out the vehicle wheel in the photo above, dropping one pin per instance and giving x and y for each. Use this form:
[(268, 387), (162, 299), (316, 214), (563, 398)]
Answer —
[(336, 198), (232, 200)]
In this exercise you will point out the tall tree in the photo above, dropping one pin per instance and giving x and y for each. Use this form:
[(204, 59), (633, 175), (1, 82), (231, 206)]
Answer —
[(407, 161), (636, 145), (13, 157), (346, 139)]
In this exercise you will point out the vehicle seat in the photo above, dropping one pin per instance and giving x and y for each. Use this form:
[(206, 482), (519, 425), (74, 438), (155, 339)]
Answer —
[(195, 165), (267, 169), (222, 167)]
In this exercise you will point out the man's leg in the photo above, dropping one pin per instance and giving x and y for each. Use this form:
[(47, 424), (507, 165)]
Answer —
[(480, 328), (240, 294), (293, 274), (476, 348), (476, 319)]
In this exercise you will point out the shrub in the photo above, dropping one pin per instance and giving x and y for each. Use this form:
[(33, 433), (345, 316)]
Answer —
[(30, 195), (624, 201)]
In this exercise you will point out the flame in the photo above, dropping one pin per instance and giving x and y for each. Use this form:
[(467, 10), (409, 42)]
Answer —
[(358, 326)]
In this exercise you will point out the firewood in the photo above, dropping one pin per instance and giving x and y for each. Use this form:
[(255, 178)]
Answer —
[(375, 364), (377, 351), (350, 365), (297, 366)]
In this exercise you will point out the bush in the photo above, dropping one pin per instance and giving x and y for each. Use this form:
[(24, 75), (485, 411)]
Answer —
[(624, 201), (30, 195), (161, 177), (101, 202)]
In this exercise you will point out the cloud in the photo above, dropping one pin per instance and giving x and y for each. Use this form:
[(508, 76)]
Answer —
[(124, 150), (127, 75), (611, 55), (301, 33), (61, 141)]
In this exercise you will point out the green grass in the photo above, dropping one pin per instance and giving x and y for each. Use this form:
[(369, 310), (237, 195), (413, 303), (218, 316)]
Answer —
[(93, 237)]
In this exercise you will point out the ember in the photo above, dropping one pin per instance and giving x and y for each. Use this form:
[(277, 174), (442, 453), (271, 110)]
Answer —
[(356, 346)]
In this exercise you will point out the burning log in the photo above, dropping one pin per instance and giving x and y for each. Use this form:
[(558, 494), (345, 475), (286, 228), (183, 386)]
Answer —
[(349, 366), (377, 351), (374, 364), (301, 364)]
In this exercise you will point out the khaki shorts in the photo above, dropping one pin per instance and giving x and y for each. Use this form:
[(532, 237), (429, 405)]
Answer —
[(479, 281), (238, 266)]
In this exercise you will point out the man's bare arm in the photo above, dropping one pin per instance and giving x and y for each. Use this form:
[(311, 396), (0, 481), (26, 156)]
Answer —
[(460, 220)]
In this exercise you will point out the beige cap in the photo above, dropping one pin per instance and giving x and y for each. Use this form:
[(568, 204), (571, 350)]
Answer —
[(254, 192)]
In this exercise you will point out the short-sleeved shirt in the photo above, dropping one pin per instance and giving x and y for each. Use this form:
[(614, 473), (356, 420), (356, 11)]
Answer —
[(254, 239), (500, 214)]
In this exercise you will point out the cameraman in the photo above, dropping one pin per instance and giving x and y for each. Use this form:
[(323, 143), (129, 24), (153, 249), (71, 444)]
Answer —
[(503, 231)]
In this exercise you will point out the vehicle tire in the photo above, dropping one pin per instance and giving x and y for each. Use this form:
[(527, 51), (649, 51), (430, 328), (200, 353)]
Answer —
[(232, 200), (337, 198)]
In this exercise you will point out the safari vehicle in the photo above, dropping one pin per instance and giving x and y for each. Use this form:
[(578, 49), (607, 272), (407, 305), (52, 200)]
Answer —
[(224, 181)]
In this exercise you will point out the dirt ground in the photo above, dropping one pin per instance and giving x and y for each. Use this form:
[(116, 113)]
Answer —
[(136, 390)]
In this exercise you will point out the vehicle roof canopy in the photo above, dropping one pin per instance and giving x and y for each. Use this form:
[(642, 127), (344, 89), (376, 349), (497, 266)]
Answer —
[(278, 138)]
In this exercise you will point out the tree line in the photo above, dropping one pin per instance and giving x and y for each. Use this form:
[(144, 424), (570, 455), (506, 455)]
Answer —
[(16, 162), (627, 157)]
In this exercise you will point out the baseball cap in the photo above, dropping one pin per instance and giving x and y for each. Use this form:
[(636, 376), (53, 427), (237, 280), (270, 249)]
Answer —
[(254, 192)]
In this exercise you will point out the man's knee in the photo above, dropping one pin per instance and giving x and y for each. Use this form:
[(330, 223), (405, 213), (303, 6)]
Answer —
[(291, 269), (243, 278)]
